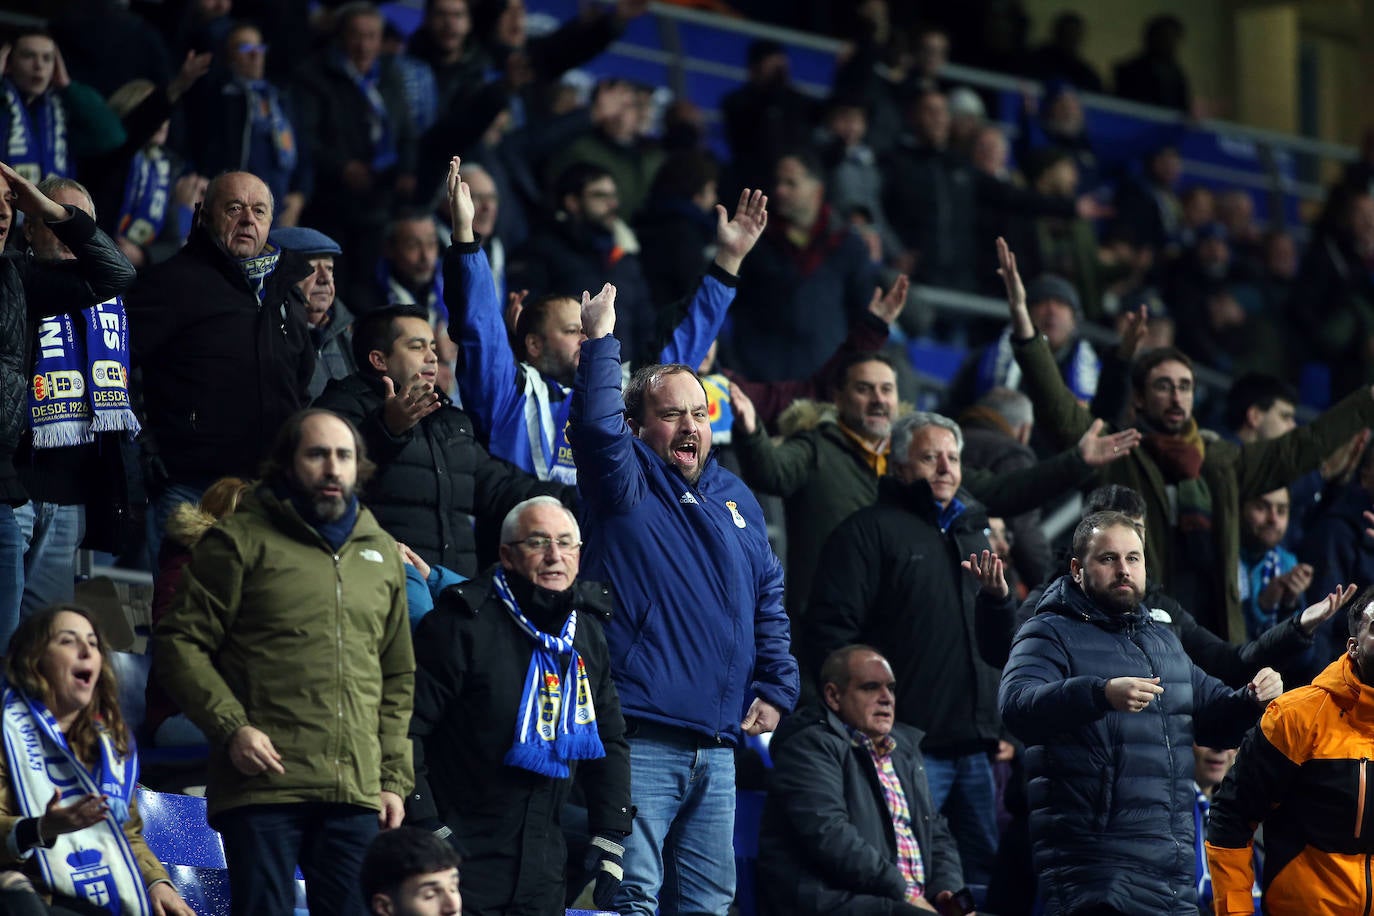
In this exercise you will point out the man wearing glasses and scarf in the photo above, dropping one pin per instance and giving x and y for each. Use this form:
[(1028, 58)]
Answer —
[(513, 697)]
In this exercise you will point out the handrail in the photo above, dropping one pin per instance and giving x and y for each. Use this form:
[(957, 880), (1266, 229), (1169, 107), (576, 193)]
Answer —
[(991, 80), (975, 306)]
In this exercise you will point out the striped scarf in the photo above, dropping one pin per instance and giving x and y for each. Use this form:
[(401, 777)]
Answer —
[(549, 730), (35, 138)]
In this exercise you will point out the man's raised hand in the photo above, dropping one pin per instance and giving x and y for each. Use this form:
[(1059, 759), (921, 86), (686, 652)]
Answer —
[(1021, 326), (460, 206), (1320, 612), (30, 201), (888, 305), (743, 408), (1098, 449), (598, 312), (403, 409), (735, 238), (990, 572)]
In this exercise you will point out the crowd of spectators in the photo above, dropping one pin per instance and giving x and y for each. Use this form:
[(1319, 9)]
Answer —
[(399, 229)]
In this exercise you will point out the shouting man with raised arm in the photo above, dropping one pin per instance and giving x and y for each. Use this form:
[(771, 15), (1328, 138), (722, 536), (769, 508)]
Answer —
[(699, 642), (520, 403)]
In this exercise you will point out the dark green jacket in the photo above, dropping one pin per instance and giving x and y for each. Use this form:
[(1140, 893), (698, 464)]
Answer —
[(272, 628), (1233, 473)]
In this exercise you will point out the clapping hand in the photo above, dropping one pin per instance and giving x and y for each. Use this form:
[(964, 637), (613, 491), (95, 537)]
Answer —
[(990, 572), (403, 409)]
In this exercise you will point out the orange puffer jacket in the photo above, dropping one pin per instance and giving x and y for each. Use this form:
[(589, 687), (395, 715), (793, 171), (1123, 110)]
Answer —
[(1306, 773)]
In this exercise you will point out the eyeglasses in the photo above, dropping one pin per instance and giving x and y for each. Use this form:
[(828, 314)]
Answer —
[(538, 543), (1167, 386), (249, 47)]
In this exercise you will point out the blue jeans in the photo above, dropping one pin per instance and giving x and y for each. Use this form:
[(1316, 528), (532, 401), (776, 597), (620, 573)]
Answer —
[(161, 510), (11, 573), (52, 535), (963, 789), (680, 858), (263, 844)]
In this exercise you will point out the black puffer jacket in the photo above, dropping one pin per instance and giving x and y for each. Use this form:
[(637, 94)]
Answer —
[(826, 844), (30, 290), (889, 578), (471, 666), (1111, 793), (221, 370), (434, 478)]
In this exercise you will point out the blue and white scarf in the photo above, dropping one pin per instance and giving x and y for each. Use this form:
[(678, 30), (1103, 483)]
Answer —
[(266, 114), (549, 730), (379, 127), (546, 425), (144, 210), (398, 294), (998, 367), (35, 151), (259, 268), (95, 864), (80, 381)]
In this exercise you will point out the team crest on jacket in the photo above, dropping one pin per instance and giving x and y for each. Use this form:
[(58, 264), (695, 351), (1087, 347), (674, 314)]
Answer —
[(734, 512)]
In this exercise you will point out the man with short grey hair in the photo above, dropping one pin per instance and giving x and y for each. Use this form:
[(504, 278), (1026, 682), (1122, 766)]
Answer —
[(997, 434), (892, 578), (520, 651)]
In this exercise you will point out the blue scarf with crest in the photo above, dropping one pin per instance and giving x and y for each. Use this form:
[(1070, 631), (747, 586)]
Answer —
[(551, 728), (36, 135)]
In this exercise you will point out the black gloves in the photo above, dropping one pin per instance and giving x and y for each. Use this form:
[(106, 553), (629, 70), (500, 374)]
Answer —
[(603, 865)]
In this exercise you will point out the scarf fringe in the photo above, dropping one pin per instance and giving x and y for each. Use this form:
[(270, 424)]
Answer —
[(527, 757)]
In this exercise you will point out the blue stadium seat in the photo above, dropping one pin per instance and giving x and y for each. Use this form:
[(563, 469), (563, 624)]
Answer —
[(748, 818), (177, 832), (131, 671)]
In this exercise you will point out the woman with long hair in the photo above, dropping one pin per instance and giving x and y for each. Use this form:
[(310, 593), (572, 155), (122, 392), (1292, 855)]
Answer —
[(68, 819)]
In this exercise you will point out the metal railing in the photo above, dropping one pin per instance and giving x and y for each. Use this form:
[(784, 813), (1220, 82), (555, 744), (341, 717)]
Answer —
[(1270, 144)]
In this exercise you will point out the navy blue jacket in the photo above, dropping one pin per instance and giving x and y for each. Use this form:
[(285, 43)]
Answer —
[(700, 629), (1111, 793)]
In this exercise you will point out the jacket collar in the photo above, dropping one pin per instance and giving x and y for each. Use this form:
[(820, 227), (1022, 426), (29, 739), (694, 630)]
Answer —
[(280, 514), (1066, 598), (595, 597), (292, 266), (1342, 682), (916, 498)]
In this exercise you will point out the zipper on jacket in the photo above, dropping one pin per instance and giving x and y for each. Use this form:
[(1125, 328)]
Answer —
[(338, 655), (1360, 796)]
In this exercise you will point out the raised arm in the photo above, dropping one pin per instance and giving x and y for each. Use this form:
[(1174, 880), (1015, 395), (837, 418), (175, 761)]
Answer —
[(782, 469), (1263, 466), (867, 333), (100, 271), (608, 474), (488, 379), (1057, 412), (735, 238)]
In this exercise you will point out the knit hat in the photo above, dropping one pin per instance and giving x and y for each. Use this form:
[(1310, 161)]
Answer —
[(1053, 286), (304, 241)]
